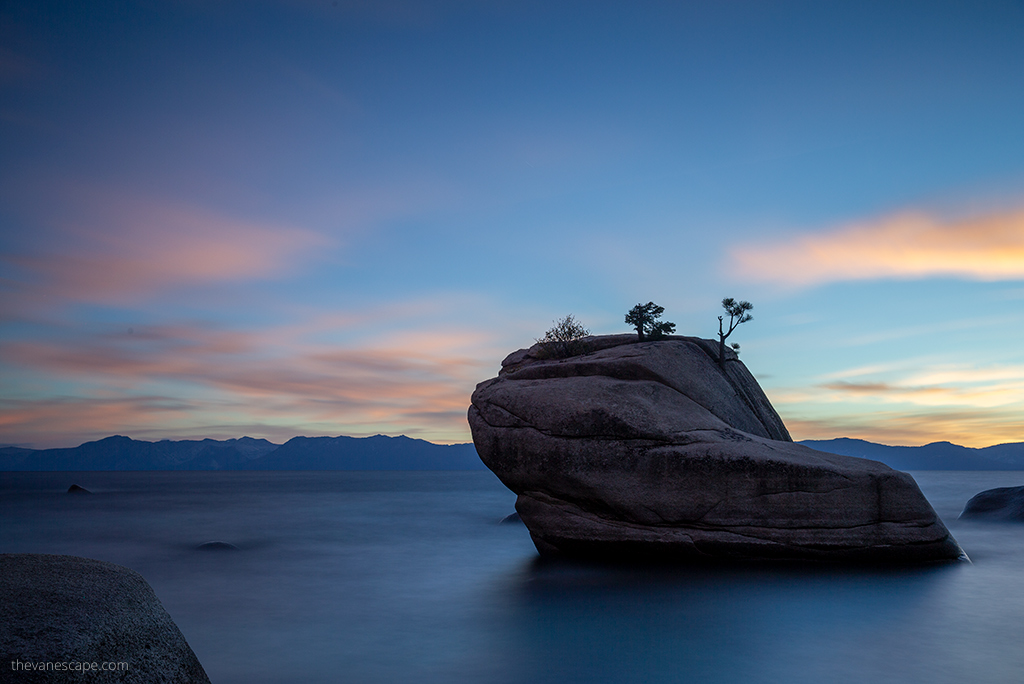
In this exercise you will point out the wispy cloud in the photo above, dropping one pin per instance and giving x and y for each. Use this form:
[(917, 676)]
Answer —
[(131, 248), (907, 245), (991, 394), (877, 388), (68, 421)]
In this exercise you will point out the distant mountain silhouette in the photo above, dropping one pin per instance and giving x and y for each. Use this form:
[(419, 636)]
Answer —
[(405, 453), (300, 453), (934, 456), (367, 453)]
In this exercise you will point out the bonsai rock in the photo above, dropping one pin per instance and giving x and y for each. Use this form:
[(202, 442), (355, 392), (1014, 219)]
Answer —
[(655, 450)]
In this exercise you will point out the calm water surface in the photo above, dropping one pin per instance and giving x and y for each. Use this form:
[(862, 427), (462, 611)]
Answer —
[(407, 577)]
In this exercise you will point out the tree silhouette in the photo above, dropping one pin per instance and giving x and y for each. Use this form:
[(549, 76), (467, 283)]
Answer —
[(563, 339), (737, 314), (644, 317)]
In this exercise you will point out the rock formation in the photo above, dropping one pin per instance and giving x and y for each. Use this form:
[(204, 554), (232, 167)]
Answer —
[(64, 613), (1003, 503), (636, 450)]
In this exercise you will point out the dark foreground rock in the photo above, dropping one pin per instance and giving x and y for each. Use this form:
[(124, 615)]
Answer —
[(60, 612), (1004, 503), (639, 450)]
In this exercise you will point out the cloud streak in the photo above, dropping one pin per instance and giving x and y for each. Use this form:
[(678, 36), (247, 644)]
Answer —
[(195, 378), (902, 246)]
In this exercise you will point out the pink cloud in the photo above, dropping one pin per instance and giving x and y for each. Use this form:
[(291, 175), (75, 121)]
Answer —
[(148, 247), (908, 245)]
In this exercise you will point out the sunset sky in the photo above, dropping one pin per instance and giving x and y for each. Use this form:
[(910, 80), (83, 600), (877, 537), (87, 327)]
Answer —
[(309, 217)]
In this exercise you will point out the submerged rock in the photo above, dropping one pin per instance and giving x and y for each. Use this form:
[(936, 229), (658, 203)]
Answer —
[(511, 519), (636, 450), (75, 489), (72, 612), (217, 546), (1002, 503)]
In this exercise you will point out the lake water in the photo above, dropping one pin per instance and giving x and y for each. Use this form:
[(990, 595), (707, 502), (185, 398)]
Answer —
[(392, 577)]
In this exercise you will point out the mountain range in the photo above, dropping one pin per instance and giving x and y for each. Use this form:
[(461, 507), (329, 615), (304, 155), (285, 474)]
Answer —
[(299, 453), (405, 453), (934, 456)]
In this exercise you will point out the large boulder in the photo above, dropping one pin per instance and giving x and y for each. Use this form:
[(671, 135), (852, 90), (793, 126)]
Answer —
[(70, 619), (652, 449), (1002, 503)]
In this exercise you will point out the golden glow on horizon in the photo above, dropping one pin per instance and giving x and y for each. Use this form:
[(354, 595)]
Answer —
[(903, 404), (976, 429)]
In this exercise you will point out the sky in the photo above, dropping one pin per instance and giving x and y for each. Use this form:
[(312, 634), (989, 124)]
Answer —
[(224, 218)]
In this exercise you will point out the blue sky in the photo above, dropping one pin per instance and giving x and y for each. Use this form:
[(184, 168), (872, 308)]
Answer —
[(281, 218)]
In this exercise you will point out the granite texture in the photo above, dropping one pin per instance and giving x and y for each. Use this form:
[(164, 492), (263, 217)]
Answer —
[(67, 611)]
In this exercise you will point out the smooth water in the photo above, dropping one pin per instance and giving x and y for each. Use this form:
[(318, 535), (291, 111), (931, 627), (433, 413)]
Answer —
[(408, 577)]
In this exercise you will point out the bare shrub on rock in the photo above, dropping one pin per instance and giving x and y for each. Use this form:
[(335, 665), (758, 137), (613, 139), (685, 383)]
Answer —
[(564, 339)]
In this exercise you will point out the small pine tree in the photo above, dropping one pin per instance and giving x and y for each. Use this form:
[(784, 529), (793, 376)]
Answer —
[(644, 318), (737, 314)]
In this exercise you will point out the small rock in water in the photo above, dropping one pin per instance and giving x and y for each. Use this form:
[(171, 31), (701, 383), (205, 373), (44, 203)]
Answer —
[(511, 519), (217, 546), (75, 489), (1003, 503)]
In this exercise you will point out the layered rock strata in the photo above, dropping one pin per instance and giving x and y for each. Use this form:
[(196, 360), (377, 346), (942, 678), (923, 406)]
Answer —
[(653, 449)]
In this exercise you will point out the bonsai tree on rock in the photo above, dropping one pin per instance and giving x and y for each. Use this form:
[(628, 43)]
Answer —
[(737, 314), (563, 339), (644, 317)]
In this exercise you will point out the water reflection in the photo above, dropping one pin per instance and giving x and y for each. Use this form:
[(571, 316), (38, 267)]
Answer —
[(802, 623)]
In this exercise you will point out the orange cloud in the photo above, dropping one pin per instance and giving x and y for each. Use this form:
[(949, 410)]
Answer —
[(908, 245)]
